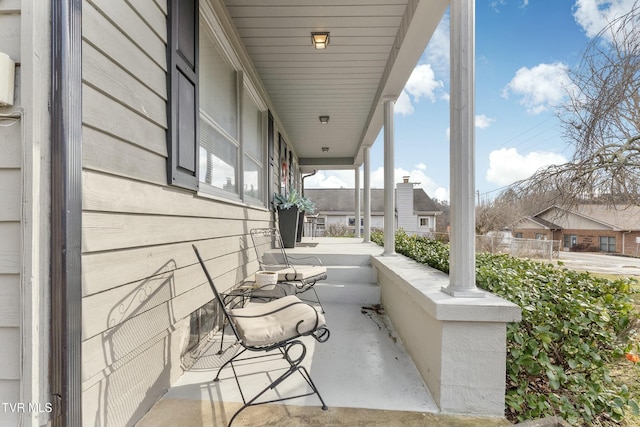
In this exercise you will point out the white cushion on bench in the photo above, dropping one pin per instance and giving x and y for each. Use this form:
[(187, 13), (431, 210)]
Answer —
[(275, 327)]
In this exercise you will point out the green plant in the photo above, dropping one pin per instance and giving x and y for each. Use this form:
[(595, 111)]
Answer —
[(293, 198), (338, 230), (573, 327)]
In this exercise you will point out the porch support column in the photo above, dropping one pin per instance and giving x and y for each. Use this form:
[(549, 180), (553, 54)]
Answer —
[(389, 185), (367, 195), (462, 275), (357, 195)]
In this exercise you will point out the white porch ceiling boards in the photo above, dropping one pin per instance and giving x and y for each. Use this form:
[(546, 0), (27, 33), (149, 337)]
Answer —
[(374, 46)]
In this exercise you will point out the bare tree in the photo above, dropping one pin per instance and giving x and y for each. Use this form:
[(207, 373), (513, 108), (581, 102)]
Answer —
[(502, 212), (602, 121)]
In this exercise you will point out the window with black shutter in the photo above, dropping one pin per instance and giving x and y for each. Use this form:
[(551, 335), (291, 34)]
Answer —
[(217, 141)]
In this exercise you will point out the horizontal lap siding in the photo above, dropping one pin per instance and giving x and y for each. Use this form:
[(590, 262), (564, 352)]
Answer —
[(140, 278), (10, 217)]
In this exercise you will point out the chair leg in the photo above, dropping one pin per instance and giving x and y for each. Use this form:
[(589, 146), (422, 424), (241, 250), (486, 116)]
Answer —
[(230, 361), (295, 365), (313, 288), (317, 300)]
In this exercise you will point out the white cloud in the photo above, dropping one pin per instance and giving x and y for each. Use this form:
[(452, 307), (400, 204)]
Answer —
[(540, 87), (507, 166), (594, 15), (403, 105), (346, 179), (421, 84), (332, 179), (483, 122), (437, 52)]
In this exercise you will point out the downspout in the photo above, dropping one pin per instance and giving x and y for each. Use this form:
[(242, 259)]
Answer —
[(305, 177), (66, 212)]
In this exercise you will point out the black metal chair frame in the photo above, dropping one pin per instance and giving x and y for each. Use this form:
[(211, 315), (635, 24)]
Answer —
[(319, 332), (276, 244)]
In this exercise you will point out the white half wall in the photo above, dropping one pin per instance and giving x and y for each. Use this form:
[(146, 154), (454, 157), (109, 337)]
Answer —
[(457, 344)]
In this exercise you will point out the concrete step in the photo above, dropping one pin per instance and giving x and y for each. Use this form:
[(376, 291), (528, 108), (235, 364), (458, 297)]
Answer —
[(332, 258), (348, 293), (351, 274)]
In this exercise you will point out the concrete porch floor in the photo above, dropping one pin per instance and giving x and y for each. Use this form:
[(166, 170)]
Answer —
[(363, 374)]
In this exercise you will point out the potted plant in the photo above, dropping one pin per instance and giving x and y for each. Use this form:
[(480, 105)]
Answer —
[(291, 206), (305, 205), (288, 213)]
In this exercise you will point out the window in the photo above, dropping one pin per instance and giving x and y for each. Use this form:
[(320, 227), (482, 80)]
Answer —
[(252, 131), (517, 235), (219, 142), (540, 236), (607, 244), (216, 138), (425, 221), (570, 240)]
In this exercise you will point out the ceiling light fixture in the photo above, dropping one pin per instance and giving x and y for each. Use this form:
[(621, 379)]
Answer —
[(324, 119), (325, 149), (320, 40)]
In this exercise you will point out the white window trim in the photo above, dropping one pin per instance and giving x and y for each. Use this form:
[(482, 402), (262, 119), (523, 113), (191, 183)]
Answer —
[(215, 29)]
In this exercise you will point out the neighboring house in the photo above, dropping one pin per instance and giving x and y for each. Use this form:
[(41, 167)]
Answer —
[(415, 212), (592, 228), (140, 127)]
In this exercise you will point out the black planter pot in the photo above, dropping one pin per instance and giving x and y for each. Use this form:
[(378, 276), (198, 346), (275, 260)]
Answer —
[(300, 226), (288, 224)]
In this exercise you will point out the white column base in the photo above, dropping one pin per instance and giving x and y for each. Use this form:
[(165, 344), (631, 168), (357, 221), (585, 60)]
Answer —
[(464, 293)]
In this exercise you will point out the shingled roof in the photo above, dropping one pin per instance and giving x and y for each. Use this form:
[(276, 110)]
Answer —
[(343, 200)]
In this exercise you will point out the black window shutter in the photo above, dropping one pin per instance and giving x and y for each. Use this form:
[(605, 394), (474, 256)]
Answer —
[(182, 105)]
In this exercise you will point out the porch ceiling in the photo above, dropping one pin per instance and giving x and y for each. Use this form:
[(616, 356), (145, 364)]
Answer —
[(374, 46)]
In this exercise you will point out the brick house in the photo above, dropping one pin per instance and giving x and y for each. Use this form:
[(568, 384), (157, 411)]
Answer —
[(588, 228)]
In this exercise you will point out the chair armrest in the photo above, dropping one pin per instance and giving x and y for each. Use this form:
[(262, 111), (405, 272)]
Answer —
[(297, 258)]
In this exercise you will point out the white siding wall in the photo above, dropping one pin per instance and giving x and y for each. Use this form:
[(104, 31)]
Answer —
[(10, 190), (140, 276)]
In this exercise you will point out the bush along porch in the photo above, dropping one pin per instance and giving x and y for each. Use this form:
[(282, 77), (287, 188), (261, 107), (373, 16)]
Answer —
[(574, 327)]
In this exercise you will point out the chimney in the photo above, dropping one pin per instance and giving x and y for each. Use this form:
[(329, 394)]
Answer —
[(404, 206)]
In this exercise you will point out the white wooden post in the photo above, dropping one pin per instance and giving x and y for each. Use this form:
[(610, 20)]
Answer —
[(389, 184), (462, 273), (357, 204), (367, 195)]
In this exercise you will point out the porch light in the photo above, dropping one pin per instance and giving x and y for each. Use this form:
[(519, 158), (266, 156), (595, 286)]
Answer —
[(320, 40), (324, 119)]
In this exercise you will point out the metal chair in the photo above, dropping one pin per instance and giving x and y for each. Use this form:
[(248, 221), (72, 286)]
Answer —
[(273, 257), (277, 325)]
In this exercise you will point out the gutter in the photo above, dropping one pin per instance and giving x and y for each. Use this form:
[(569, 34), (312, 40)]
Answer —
[(305, 177), (66, 213)]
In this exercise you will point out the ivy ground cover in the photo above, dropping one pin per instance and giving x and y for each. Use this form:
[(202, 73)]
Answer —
[(575, 327)]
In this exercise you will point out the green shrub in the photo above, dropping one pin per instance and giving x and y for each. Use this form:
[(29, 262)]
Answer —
[(573, 326)]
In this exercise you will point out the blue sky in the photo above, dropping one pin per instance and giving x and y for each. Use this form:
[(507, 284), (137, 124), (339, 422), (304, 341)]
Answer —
[(524, 49)]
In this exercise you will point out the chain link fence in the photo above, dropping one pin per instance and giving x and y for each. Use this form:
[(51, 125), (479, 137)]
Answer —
[(521, 248)]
